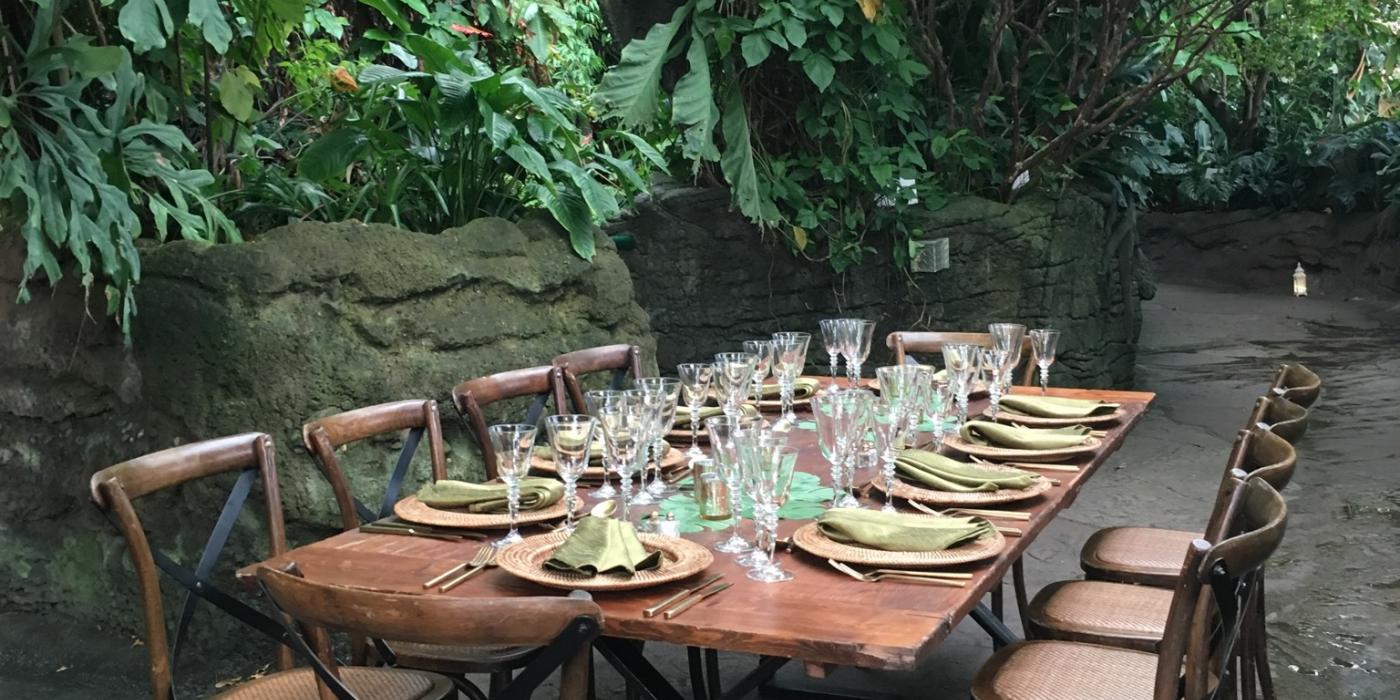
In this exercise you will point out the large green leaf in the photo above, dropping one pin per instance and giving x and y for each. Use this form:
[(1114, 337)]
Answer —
[(737, 159), (599, 198), (328, 157), (630, 91), (206, 15), (569, 209), (145, 23), (389, 9), (693, 105), (819, 70), (236, 92)]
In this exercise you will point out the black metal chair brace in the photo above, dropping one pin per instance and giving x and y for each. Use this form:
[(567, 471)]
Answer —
[(391, 489)]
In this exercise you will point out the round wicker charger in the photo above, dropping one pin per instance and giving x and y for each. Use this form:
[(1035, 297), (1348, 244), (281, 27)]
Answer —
[(809, 538), (914, 492), (956, 443), (680, 559), (1003, 416), (415, 511), (673, 459)]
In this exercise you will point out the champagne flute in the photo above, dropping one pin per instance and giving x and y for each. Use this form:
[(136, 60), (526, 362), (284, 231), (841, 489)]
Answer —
[(961, 363), (595, 400), (755, 445), (833, 334), (623, 428), (1043, 342), (571, 437), (763, 352), (695, 386), (512, 443), (1009, 338), (648, 407), (887, 422)]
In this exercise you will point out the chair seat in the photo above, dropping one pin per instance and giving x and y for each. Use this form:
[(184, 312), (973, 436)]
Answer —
[(1043, 670), (460, 660), (365, 683), (1101, 612), (1146, 555)]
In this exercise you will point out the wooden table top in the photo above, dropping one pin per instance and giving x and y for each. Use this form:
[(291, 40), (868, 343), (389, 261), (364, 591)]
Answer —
[(819, 617)]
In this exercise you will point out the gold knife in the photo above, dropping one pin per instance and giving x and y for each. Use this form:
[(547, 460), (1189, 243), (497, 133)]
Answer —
[(691, 601), (651, 611)]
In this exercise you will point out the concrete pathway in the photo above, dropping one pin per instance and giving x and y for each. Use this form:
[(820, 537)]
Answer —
[(1334, 586)]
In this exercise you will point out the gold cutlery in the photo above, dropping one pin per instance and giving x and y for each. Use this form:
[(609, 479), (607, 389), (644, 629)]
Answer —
[(486, 556), (1008, 531), (1032, 465), (1004, 514), (902, 576), (690, 602), (446, 574), (1092, 433), (410, 532), (651, 611)]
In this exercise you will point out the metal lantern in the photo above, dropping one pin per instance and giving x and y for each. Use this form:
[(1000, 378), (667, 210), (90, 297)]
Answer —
[(1300, 282)]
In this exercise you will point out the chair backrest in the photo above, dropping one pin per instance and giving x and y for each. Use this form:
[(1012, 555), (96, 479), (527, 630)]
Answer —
[(1214, 594), (564, 626), (901, 343), (470, 397), (622, 359), (1280, 416), (1256, 453), (1297, 383), (324, 436), (115, 488)]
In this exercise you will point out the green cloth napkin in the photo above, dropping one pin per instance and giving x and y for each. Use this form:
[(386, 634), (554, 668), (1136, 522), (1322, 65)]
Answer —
[(1054, 406), (943, 474), (603, 546), (683, 414), (899, 532), (1012, 437), (595, 452), (802, 388), (535, 494)]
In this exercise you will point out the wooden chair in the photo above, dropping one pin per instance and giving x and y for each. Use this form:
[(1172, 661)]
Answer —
[(1280, 416), (419, 417), (621, 359), (1198, 654), (1297, 384), (564, 626), (115, 488), (540, 383), (932, 342)]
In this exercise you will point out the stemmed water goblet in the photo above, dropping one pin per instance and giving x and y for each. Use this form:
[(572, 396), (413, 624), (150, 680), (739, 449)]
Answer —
[(1009, 338), (648, 406), (695, 387), (887, 422), (841, 421), (595, 400), (833, 339), (961, 362), (732, 372), (763, 352), (998, 364), (571, 437), (669, 391), (513, 444), (859, 335), (1043, 342), (940, 400), (770, 481), (790, 353), (755, 445), (721, 430), (623, 427)]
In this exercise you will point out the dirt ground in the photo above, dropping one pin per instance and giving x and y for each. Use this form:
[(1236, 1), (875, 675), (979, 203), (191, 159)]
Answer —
[(1334, 587)]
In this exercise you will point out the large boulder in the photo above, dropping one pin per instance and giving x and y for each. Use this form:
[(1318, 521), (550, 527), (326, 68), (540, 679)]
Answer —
[(306, 320), (710, 279)]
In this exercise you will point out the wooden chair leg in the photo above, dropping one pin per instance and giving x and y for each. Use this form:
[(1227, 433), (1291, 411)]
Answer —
[(1018, 584), (575, 677), (697, 673), (1261, 644), (632, 691)]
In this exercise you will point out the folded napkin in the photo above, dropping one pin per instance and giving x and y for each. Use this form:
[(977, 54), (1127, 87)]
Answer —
[(1012, 437), (899, 532), (603, 546), (535, 494), (802, 388), (943, 474), (683, 415), (595, 452), (1054, 406)]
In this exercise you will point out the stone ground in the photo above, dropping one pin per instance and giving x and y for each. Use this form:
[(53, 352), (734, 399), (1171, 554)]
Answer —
[(1334, 586)]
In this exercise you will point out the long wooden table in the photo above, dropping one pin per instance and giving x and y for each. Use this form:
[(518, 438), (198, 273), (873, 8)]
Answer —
[(821, 617)]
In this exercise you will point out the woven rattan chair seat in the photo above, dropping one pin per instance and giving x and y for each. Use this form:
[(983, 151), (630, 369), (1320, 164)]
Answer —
[(1101, 612), (365, 683), (1146, 555), (456, 660), (1042, 670)]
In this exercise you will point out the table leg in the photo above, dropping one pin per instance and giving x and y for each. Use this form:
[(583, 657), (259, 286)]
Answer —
[(627, 658), (697, 673), (1000, 633)]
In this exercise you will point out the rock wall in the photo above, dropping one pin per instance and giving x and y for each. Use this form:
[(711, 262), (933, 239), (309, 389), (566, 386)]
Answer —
[(709, 279), (306, 320), (1256, 250)]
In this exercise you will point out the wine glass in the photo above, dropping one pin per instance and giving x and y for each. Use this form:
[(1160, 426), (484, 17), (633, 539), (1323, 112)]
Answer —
[(833, 334), (624, 429), (770, 481), (695, 386), (1010, 338), (763, 352), (648, 405), (998, 363), (961, 362), (595, 400), (513, 443), (721, 430), (887, 422), (1043, 342), (570, 436), (859, 334), (755, 445), (941, 399), (791, 351), (669, 390), (732, 372)]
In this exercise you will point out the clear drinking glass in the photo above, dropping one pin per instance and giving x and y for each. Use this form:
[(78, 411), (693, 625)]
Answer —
[(887, 423), (570, 436), (961, 362), (763, 352), (833, 337), (790, 349), (711, 490), (512, 443), (595, 400), (1043, 342), (859, 335), (755, 446), (732, 373), (669, 390), (998, 363), (623, 427), (1009, 338), (939, 404), (770, 482), (695, 386), (721, 430)]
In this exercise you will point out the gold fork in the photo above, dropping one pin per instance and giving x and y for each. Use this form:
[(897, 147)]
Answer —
[(929, 577), (486, 556), (1008, 531)]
